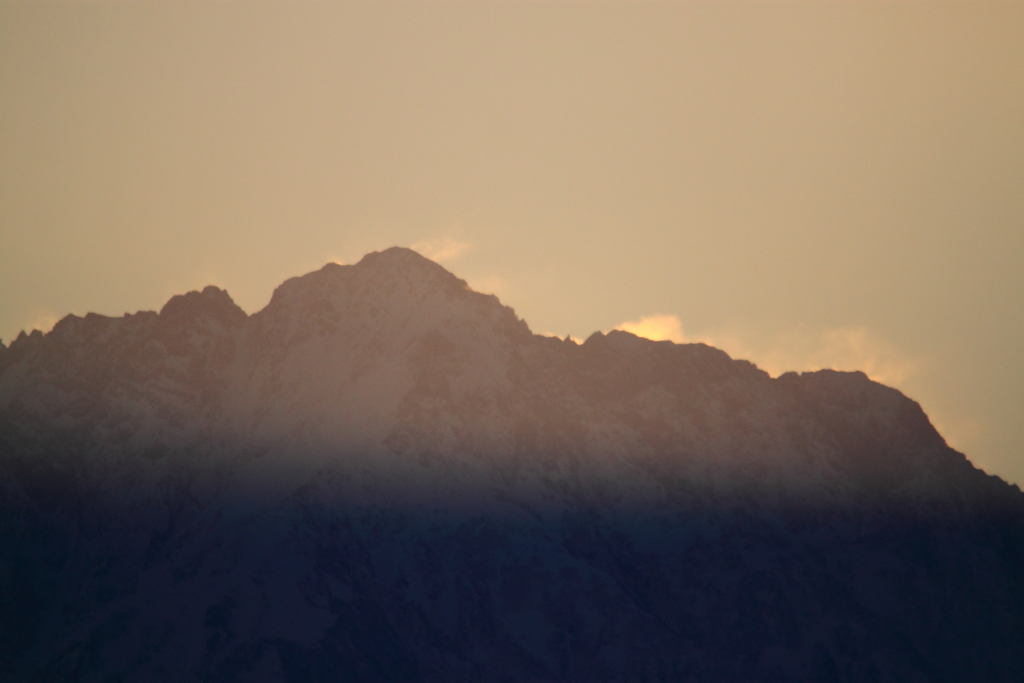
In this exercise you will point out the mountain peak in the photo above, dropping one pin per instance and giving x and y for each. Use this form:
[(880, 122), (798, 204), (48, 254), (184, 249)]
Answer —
[(375, 269), (403, 257), (212, 302), (396, 293), (411, 265)]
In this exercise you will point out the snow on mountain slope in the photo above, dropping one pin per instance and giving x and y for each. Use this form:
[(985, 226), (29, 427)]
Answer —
[(384, 475)]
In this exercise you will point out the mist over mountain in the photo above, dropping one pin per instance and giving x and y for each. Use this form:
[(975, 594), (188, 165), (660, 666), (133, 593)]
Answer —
[(385, 476)]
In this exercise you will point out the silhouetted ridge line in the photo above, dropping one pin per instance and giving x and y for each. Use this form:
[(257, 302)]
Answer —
[(384, 475), (212, 303)]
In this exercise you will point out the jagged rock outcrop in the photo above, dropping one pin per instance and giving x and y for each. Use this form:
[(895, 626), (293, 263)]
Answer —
[(384, 475)]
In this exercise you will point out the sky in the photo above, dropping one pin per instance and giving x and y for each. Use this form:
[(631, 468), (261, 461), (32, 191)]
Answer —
[(803, 184)]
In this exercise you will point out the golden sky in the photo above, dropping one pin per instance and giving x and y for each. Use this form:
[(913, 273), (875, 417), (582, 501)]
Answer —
[(813, 184)]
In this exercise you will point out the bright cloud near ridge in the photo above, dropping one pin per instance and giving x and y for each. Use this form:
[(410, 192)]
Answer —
[(489, 284), (442, 249), (656, 328), (42, 321), (806, 349), (801, 349)]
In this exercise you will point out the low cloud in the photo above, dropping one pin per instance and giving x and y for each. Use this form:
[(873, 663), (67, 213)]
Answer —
[(442, 249), (804, 349), (43, 322), (656, 328), (801, 349), (39, 320), (489, 284)]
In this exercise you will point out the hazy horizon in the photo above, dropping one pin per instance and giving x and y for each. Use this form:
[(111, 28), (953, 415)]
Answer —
[(803, 185)]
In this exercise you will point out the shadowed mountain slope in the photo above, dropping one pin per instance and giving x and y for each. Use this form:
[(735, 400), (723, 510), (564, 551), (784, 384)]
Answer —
[(385, 476)]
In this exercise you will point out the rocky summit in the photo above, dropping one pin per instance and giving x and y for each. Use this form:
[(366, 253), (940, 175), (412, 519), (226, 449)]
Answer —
[(385, 476)]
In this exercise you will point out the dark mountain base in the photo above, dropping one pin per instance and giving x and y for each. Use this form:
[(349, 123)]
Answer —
[(313, 589)]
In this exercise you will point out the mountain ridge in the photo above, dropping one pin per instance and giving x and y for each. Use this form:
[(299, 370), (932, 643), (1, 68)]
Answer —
[(383, 475)]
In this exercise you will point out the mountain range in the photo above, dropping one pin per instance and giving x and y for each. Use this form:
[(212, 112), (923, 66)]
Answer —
[(386, 476)]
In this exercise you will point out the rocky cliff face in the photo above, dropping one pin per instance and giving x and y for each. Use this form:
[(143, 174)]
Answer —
[(384, 476)]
